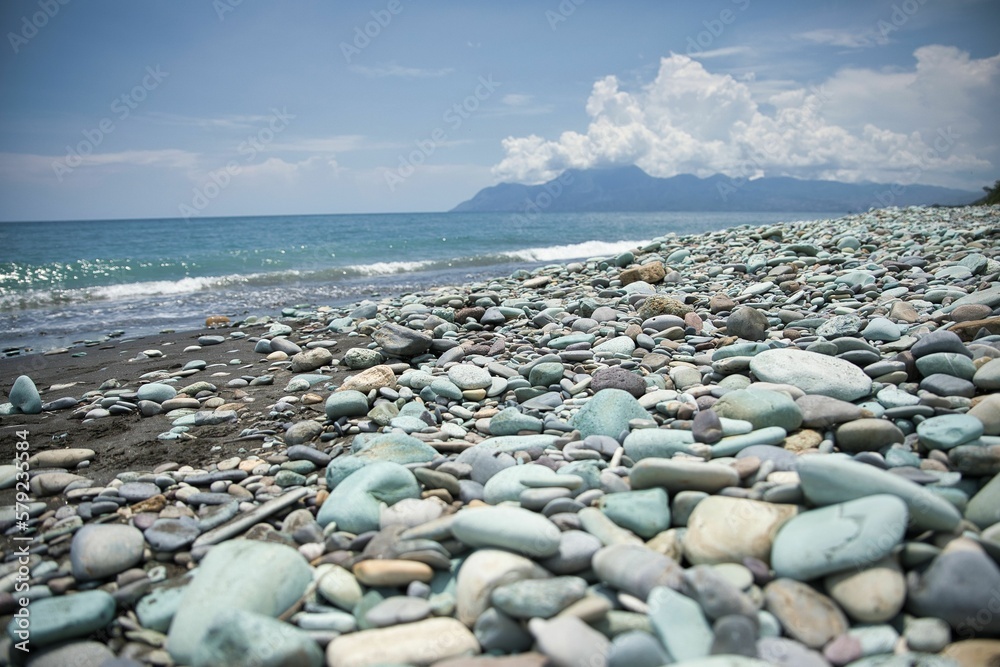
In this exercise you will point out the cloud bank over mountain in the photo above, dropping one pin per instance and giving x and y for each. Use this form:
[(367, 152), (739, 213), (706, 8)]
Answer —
[(934, 123)]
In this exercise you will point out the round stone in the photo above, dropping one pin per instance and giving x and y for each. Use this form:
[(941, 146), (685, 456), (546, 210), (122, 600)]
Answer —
[(156, 392), (873, 594), (99, 551), (722, 529), (469, 376), (748, 323), (370, 379), (346, 404)]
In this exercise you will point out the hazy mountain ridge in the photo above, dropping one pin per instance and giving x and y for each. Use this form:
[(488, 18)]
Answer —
[(632, 189)]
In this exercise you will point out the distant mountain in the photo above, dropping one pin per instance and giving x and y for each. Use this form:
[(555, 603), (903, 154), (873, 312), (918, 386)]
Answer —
[(632, 189)]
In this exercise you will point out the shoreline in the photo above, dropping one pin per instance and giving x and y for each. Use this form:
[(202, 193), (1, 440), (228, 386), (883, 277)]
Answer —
[(614, 373)]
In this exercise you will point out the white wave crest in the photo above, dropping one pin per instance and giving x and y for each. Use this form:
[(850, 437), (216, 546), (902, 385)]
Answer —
[(576, 250)]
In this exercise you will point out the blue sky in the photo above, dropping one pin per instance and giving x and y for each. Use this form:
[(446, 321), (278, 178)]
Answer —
[(167, 109)]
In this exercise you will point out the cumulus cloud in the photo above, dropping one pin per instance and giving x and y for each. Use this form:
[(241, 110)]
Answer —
[(931, 124)]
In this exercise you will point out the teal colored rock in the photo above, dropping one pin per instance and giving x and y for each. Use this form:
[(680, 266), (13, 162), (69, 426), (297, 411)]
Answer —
[(545, 374), (813, 373), (538, 598), (156, 392), (447, 388), (949, 363), (156, 609), (616, 345), (680, 624), (646, 513), (657, 443), (391, 447), (608, 413), (24, 396), (984, 507), (234, 636), (948, 431), (760, 407), (562, 342), (63, 617), (734, 444), (349, 403), (832, 479), (881, 329), (246, 575), (356, 502), (987, 377), (509, 483), (512, 528), (511, 421), (832, 539)]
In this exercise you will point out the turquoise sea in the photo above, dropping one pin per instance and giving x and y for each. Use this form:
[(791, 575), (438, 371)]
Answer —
[(69, 281)]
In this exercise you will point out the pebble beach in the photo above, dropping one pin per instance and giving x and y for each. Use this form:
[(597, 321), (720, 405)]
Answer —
[(774, 445)]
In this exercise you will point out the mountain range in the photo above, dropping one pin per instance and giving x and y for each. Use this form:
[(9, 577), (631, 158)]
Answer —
[(632, 189)]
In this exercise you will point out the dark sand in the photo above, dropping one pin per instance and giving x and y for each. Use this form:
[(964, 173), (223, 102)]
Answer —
[(129, 442)]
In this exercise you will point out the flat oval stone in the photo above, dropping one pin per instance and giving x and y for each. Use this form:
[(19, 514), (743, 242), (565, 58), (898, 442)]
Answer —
[(63, 617), (156, 392), (865, 435), (805, 614), (838, 537), (827, 480), (512, 528), (675, 476), (425, 642), (538, 598), (812, 373), (949, 431)]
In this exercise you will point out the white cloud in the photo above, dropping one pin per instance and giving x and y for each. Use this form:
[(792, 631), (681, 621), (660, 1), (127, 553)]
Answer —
[(722, 52), (392, 68), (931, 124), (516, 99), (848, 39)]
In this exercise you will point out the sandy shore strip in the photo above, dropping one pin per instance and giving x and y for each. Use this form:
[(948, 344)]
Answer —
[(777, 444)]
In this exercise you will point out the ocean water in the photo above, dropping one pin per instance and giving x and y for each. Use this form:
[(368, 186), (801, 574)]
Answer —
[(65, 282)]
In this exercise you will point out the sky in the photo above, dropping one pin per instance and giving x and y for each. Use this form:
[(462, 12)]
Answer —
[(172, 109)]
